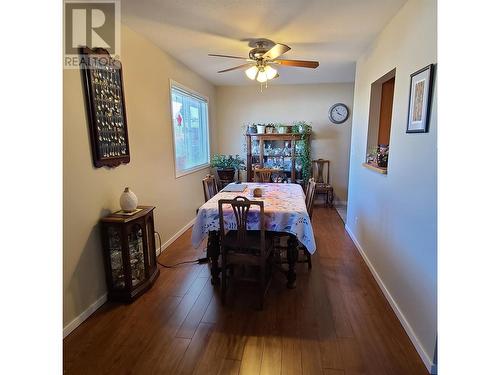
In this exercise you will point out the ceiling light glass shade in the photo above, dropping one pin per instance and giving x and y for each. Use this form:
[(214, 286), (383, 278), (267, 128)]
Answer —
[(270, 72), (262, 76), (252, 72)]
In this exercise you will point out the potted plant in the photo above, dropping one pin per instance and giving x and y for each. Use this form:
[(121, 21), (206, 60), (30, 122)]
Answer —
[(282, 128), (252, 129), (226, 165), (371, 156), (301, 127), (261, 128)]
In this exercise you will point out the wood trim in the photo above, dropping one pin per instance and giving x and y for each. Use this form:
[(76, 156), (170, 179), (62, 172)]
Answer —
[(375, 168), (428, 362), (71, 326), (276, 136), (176, 235)]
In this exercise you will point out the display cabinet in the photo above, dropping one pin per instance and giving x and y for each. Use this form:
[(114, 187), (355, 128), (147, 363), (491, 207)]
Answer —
[(278, 151), (129, 253)]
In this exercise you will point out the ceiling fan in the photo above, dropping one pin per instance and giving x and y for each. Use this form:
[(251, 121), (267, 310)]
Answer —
[(262, 56)]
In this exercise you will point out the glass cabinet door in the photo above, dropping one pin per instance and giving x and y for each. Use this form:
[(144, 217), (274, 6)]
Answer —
[(136, 253), (116, 260), (278, 155)]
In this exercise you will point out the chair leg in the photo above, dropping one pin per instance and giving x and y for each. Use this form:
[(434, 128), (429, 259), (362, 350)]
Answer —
[(308, 256), (224, 281), (262, 286)]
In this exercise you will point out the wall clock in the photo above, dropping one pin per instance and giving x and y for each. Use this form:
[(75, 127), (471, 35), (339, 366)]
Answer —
[(338, 113)]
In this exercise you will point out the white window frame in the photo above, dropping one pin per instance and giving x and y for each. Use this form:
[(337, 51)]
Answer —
[(197, 95)]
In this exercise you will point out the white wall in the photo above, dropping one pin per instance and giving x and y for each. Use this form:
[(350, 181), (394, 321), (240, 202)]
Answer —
[(393, 216), (238, 105), (90, 193)]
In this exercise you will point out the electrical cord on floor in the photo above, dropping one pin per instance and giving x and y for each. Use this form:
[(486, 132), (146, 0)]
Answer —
[(197, 261)]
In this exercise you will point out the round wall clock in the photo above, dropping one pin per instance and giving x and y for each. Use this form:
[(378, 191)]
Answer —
[(338, 113)]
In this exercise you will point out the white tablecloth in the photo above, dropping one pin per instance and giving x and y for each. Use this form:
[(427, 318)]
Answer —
[(284, 208)]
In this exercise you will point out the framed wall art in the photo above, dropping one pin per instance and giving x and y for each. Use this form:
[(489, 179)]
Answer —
[(105, 102), (421, 83)]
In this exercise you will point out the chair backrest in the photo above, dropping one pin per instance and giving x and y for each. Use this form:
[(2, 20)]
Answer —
[(241, 207), (264, 174), (209, 187), (311, 189), (321, 171)]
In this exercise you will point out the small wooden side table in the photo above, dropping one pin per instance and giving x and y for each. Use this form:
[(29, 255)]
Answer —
[(128, 244)]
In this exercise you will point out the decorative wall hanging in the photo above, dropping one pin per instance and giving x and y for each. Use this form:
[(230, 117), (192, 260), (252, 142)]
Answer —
[(105, 102), (419, 107)]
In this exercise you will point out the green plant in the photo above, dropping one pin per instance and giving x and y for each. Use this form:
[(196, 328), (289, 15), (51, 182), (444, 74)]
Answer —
[(371, 156), (221, 161), (301, 127), (303, 147)]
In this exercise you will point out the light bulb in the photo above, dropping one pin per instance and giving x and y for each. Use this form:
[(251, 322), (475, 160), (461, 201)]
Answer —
[(252, 72), (270, 72), (262, 76)]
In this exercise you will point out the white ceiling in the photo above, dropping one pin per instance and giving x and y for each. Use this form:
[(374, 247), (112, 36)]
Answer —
[(333, 32)]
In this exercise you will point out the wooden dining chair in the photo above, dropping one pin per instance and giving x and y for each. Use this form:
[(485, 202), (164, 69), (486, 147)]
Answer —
[(321, 175), (264, 174), (209, 187), (245, 247)]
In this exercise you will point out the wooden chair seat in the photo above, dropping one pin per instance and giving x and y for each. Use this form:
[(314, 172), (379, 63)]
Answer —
[(252, 242)]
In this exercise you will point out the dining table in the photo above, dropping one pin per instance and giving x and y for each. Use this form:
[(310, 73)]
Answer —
[(285, 212)]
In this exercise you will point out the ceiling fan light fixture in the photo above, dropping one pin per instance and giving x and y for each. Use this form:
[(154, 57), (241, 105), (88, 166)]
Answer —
[(252, 72), (262, 76), (270, 72)]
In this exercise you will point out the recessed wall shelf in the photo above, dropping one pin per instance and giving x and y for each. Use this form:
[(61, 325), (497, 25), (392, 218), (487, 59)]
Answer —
[(375, 168)]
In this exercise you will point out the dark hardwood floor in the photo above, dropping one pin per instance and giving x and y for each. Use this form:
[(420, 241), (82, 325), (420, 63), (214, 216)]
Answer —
[(335, 322)]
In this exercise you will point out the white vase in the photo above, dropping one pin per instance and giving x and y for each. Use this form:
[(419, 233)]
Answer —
[(128, 200)]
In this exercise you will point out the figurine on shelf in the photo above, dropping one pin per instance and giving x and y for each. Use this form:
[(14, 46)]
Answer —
[(382, 155)]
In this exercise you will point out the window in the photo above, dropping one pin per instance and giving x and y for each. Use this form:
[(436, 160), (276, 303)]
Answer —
[(190, 130), (379, 121)]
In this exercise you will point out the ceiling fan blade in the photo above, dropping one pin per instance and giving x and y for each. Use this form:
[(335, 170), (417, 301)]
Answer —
[(298, 63), (228, 56), (276, 51), (237, 67)]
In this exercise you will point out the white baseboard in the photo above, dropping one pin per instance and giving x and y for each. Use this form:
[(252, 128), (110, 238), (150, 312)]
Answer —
[(179, 233), (431, 367), (70, 327)]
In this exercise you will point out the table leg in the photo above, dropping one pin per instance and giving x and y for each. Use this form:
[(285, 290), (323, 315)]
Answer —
[(292, 256), (213, 252)]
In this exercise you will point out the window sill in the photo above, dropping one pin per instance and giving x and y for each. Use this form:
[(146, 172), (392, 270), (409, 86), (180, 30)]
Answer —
[(375, 168), (192, 170)]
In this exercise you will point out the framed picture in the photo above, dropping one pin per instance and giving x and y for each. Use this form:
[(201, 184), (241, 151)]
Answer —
[(419, 107), (105, 102)]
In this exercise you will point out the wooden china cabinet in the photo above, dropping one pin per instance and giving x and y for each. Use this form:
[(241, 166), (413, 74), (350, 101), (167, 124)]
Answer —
[(129, 253), (279, 151)]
